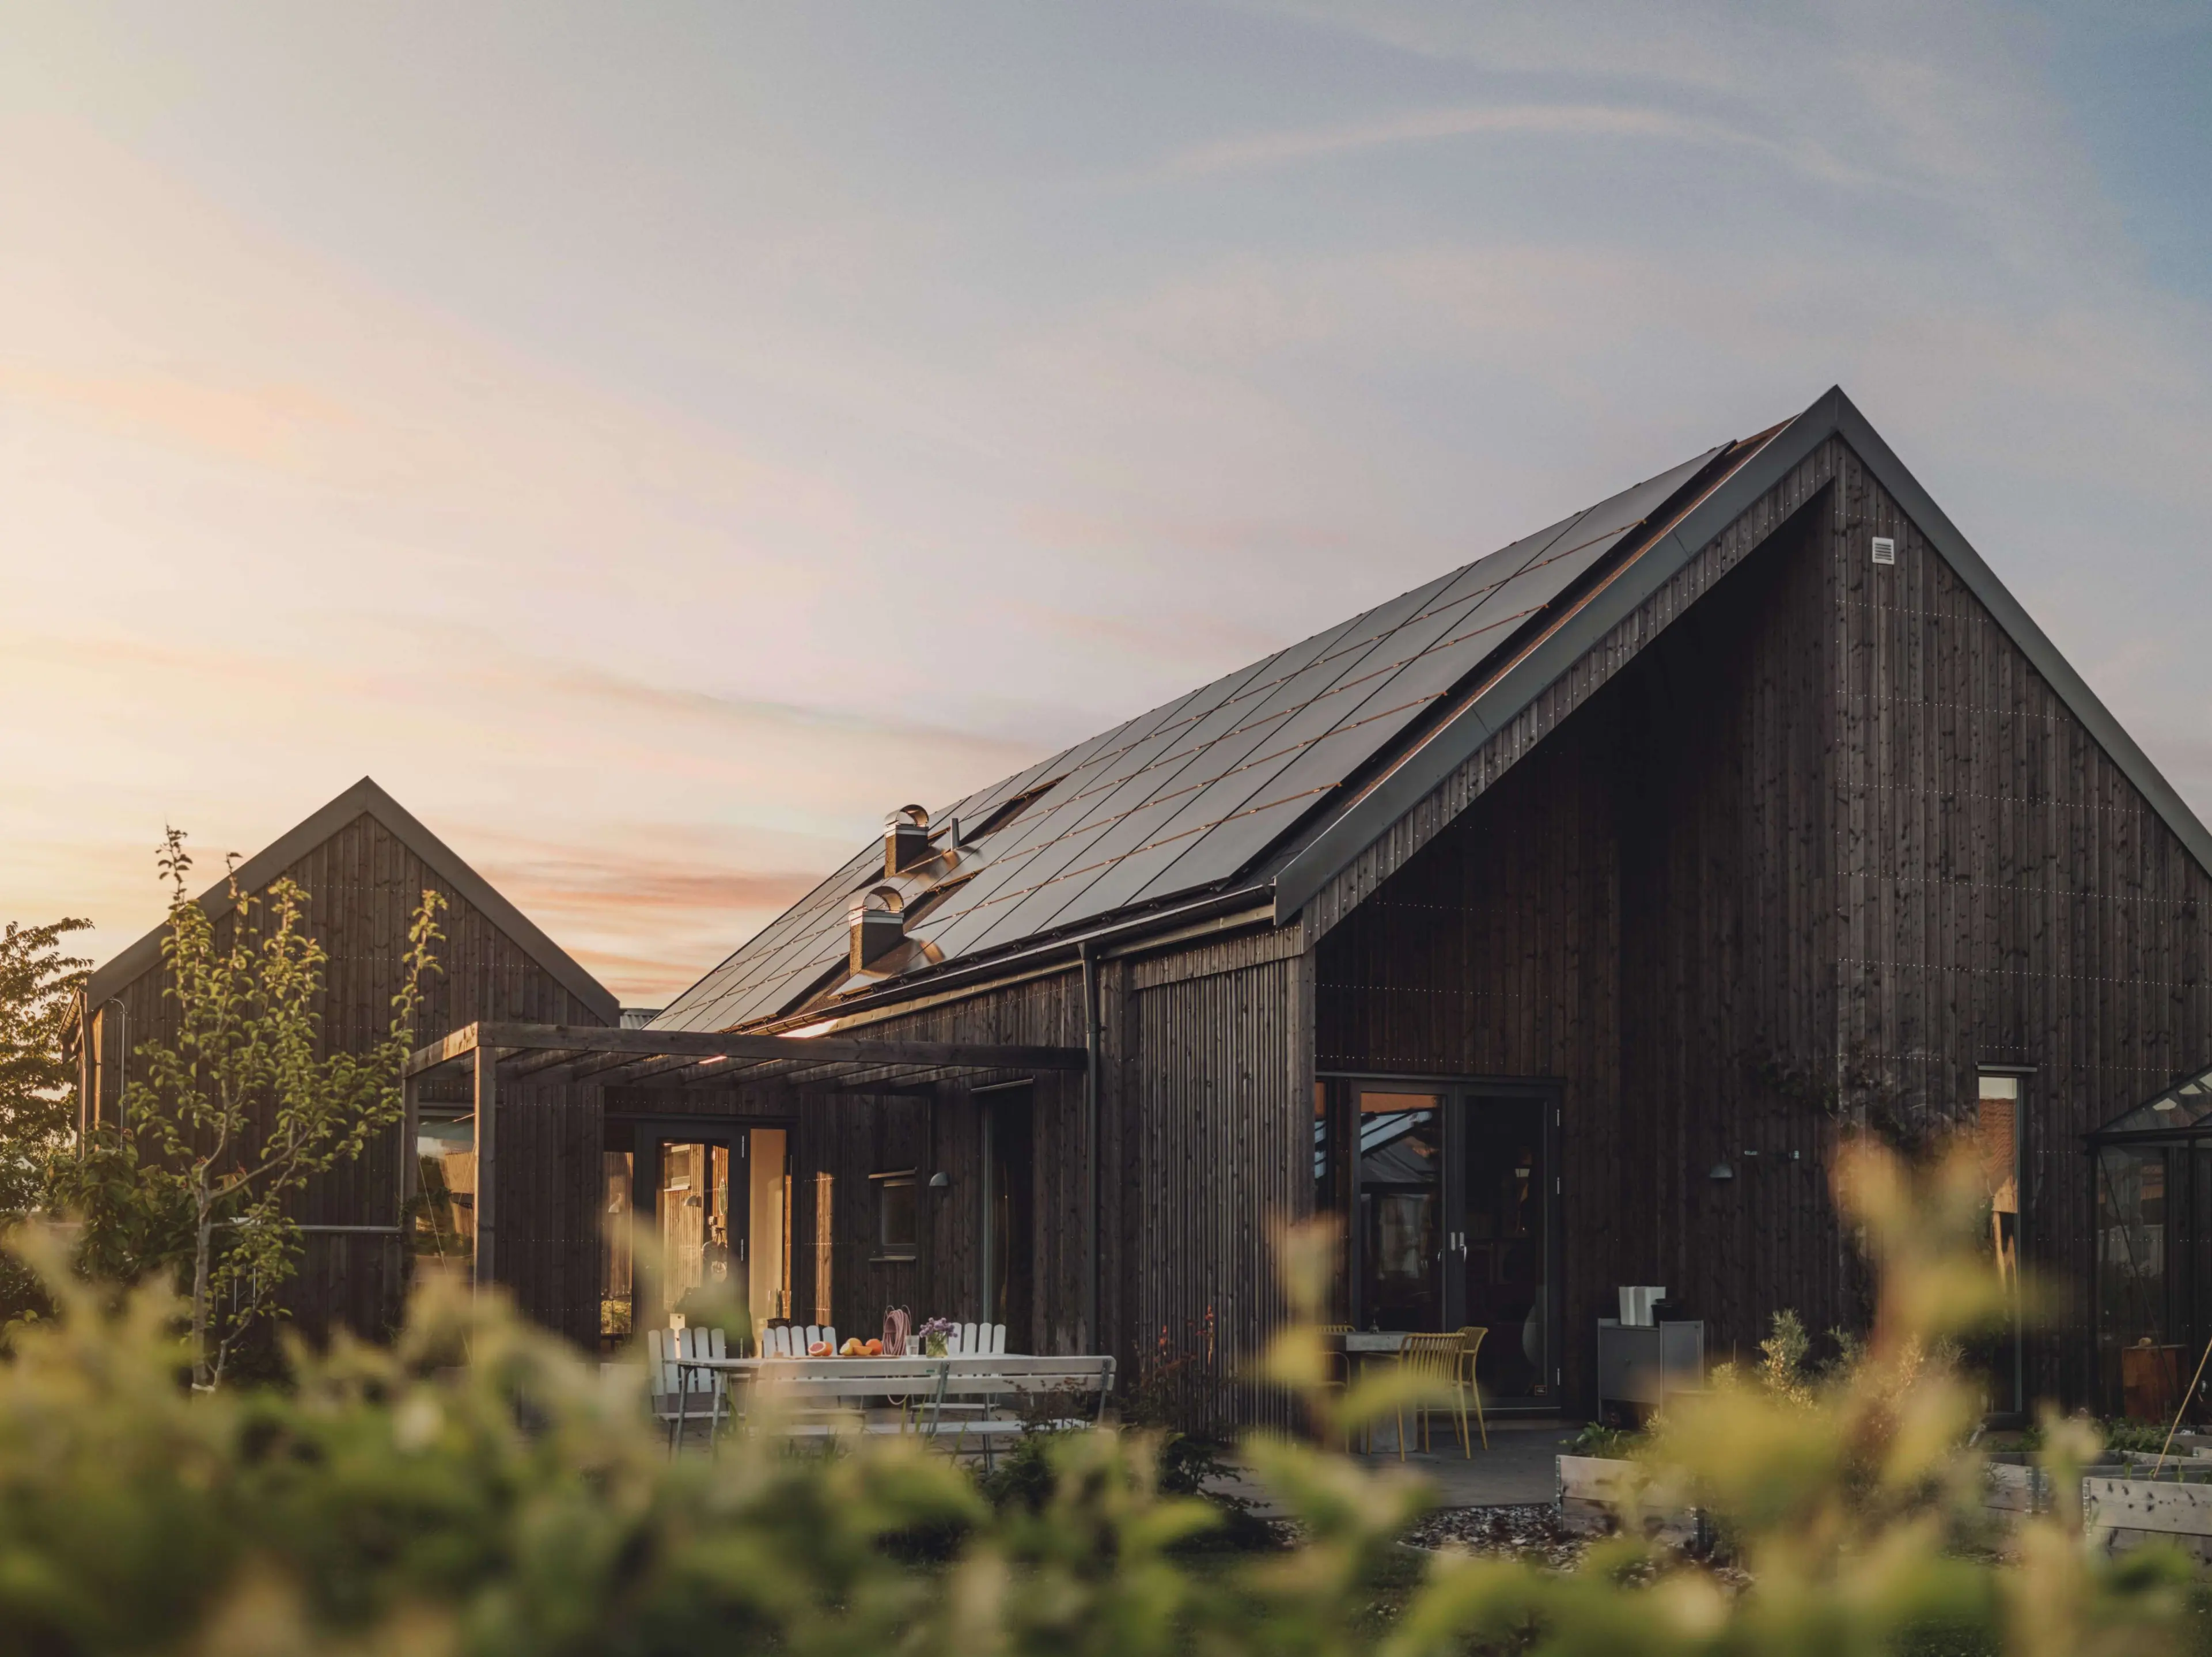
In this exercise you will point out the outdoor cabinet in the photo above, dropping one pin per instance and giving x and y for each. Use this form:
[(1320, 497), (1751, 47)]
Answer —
[(1642, 1365)]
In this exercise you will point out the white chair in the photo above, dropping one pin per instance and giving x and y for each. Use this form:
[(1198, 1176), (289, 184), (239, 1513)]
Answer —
[(973, 1340), (682, 1395)]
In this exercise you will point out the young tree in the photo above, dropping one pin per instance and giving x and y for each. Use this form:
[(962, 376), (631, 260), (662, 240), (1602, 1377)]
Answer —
[(236, 1113), (39, 987)]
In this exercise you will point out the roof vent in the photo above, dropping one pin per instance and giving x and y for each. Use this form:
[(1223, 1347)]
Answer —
[(906, 839), (1885, 549), (879, 925)]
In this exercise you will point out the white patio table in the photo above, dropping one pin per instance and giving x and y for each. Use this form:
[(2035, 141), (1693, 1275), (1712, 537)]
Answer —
[(925, 1385)]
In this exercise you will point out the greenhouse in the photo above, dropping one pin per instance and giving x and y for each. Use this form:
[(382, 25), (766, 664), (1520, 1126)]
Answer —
[(2153, 1265)]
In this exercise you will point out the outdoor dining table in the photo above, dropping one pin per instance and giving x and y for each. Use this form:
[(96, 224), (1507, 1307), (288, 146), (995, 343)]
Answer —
[(1364, 1347), (927, 1385)]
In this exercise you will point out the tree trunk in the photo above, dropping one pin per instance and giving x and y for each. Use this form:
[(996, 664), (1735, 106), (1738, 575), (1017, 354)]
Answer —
[(203, 1249)]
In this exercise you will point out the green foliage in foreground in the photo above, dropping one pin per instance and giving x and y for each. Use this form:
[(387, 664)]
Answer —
[(480, 1489)]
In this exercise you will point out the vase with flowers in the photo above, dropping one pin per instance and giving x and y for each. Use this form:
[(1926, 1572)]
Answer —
[(936, 1335)]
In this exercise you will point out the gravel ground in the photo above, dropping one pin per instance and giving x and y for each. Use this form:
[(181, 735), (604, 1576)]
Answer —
[(1529, 1531), (1526, 1530)]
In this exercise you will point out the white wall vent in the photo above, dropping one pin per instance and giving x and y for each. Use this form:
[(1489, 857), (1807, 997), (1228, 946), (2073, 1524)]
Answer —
[(1885, 549)]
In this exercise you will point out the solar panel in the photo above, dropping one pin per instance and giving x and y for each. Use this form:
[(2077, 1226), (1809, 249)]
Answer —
[(1189, 795)]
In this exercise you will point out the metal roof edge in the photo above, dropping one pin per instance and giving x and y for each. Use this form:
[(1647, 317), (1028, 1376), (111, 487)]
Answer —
[(1241, 898), (1833, 414), (1420, 770), (365, 797)]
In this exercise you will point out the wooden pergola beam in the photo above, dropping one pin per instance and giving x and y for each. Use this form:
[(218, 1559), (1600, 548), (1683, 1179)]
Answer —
[(577, 1042)]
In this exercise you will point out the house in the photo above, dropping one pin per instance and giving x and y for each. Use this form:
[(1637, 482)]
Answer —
[(1547, 925), (364, 862)]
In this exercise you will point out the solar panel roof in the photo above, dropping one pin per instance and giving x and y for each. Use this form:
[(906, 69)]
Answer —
[(1188, 796)]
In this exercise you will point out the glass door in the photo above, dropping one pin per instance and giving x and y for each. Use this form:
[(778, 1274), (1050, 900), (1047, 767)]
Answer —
[(713, 1201), (1451, 1194), (1399, 1218), (1503, 1248)]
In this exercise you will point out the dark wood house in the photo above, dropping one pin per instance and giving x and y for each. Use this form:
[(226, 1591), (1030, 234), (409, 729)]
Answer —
[(364, 862), (1547, 923)]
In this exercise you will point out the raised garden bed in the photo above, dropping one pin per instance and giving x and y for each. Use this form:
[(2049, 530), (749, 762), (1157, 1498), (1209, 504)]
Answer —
[(1598, 1494), (2125, 1508)]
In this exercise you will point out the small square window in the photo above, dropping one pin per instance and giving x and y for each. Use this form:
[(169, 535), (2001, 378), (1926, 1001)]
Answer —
[(898, 1216)]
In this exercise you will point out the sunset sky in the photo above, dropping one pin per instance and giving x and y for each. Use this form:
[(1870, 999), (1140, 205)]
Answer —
[(655, 440)]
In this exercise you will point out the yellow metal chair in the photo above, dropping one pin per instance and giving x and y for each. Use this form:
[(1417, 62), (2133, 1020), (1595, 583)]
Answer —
[(1434, 1358), (1470, 1343)]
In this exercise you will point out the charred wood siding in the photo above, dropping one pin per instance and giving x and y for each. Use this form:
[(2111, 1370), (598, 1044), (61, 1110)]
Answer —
[(1216, 1141), (1726, 1034), (363, 886), (551, 1197), (1206, 1086), (1801, 857), (2007, 895), (1637, 911)]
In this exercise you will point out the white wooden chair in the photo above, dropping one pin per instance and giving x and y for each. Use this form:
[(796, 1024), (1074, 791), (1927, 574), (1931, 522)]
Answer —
[(973, 1340), (682, 1396), (791, 1340), (986, 1340)]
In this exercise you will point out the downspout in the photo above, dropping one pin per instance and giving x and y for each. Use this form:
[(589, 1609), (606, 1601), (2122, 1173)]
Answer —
[(1088, 953)]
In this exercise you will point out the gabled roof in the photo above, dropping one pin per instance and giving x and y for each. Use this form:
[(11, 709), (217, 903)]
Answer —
[(1271, 780), (1187, 797), (366, 799), (2184, 1109), (1505, 688)]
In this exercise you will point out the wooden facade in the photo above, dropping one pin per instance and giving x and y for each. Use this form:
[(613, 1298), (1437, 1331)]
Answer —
[(364, 864), (1755, 842)]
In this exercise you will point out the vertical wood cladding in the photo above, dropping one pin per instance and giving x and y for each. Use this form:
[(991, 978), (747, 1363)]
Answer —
[(1205, 1130), (1808, 856), (1216, 1146), (362, 885), (2007, 895), (1636, 911)]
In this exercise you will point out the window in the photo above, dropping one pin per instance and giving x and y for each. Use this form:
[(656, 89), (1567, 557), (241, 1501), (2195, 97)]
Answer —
[(1996, 1140), (617, 1303), (898, 1220), (826, 1209), (444, 1219)]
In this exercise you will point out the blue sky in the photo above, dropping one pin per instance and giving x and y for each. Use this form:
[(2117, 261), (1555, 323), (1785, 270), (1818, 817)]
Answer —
[(655, 441)]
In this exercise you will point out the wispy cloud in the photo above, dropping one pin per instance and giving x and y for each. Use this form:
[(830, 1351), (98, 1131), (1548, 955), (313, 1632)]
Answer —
[(1626, 123)]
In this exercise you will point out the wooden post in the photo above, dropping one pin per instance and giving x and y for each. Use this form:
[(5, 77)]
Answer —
[(487, 1118), (87, 1071), (410, 1124)]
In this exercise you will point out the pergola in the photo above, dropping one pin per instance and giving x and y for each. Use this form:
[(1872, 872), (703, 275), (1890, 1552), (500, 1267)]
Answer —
[(492, 1055)]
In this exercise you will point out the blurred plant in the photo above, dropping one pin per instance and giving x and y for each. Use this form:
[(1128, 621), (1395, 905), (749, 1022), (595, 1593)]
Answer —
[(480, 1489), (1613, 1443), (39, 990), (236, 1112)]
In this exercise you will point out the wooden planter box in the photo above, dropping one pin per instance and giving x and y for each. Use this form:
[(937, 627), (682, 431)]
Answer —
[(1598, 1494), (2124, 1508)]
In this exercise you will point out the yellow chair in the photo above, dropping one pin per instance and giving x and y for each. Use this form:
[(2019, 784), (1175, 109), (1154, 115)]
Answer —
[(1434, 1358), (1470, 1343)]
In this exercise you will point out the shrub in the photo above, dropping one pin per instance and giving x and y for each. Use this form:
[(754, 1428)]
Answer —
[(480, 1489)]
